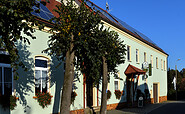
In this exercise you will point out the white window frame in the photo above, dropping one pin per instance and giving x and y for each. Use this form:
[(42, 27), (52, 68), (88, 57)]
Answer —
[(118, 80), (137, 55), (43, 69), (3, 65), (157, 63), (129, 51), (151, 60), (145, 57), (164, 65), (161, 64)]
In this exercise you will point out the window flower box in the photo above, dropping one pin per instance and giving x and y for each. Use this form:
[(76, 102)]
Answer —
[(118, 94), (44, 99)]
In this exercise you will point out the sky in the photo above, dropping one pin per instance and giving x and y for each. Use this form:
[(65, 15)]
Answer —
[(163, 21)]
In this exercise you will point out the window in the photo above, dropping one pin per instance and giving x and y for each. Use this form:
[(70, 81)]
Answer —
[(6, 79), (164, 65), (157, 62), (137, 55), (116, 84), (161, 64), (129, 53), (151, 60), (144, 56), (41, 74)]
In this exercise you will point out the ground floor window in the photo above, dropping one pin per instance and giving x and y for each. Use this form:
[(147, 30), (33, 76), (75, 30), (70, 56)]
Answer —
[(41, 75), (6, 79), (116, 81), (116, 84)]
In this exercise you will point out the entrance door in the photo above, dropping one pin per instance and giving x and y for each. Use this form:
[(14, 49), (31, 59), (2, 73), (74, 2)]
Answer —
[(155, 93), (129, 92), (89, 92)]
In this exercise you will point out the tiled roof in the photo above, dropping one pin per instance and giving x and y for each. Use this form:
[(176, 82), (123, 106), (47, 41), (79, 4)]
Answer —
[(122, 25), (133, 70), (46, 13)]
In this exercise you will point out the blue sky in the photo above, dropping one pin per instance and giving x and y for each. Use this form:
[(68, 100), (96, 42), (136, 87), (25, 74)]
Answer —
[(163, 21)]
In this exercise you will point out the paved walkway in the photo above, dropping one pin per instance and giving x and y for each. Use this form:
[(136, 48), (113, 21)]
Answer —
[(144, 110)]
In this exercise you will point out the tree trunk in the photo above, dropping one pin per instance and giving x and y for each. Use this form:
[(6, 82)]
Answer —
[(68, 81), (103, 109)]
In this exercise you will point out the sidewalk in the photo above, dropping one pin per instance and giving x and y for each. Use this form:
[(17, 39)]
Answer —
[(144, 110)]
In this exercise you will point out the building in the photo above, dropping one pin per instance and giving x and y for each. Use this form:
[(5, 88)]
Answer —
[(42, 74)]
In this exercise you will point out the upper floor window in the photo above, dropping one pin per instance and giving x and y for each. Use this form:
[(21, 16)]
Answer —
[(151, 60), (161, 64), (157, 62), (164, 65), (137, 55), (6, 79), (129, 53), (145, 57), (41, 74)]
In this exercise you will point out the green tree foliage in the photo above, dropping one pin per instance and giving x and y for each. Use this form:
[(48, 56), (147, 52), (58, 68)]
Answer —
[(180, 85), (171, 92), (102, 43), (79, 30), (105, 53), (183, 72), (71, 31), (171, 74), (16, 18)]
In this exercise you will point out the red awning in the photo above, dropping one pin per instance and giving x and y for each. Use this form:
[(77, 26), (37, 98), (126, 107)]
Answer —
[(133, 70)]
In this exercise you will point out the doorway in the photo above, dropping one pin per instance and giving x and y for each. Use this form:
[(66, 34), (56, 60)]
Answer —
[(155, 92), (129, 91), (89, 92)]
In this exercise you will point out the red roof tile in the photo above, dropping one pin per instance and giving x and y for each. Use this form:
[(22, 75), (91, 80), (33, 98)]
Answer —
[(133, 70)]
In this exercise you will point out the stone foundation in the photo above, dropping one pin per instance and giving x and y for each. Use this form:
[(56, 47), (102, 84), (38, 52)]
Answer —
[(120, 105), (152, 100), (162, 98), (116, 106), (80, 111)]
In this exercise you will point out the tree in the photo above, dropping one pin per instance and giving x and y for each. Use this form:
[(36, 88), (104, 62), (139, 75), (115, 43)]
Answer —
[(183, 72), (80, 40), (16, 18), (72, 28), (104, 55), (171, 91), (113, 51)]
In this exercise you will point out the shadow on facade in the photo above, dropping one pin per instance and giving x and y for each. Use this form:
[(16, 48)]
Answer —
[(126, 98), (25, 82), (57, 78)]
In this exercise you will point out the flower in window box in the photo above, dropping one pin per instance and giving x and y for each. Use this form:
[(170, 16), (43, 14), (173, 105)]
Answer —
[(118, 94), (13, 100), (73, 96), (108, 94), (44, 99)]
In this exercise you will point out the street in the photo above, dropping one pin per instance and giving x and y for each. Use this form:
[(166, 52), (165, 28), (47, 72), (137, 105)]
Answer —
[(167, 107), (177, 107)]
